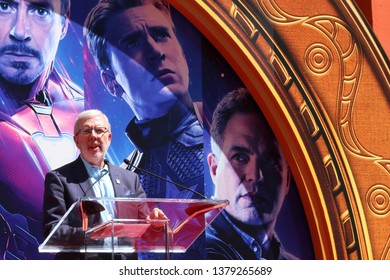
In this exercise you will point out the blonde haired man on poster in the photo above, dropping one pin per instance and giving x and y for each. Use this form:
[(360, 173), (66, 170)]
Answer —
[(135, 46)]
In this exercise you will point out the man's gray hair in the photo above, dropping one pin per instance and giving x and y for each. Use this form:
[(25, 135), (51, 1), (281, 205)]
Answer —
[(87, 115)]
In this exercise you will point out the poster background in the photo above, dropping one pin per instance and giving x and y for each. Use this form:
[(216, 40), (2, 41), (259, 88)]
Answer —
[(210, 78)]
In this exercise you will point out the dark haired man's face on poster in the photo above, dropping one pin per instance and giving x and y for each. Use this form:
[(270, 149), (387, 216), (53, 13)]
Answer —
[(250, 171), (147, 60), (29, 36)]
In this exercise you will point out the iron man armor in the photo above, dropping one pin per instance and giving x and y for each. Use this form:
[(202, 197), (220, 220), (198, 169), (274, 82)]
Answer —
[(34, 140)]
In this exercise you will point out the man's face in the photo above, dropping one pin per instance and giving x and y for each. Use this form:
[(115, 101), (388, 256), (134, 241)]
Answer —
[(93, 139), (29, 36), (251, 171), (147, 60)]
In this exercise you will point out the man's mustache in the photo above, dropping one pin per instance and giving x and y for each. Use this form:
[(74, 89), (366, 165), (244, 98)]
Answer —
[(20, 48)]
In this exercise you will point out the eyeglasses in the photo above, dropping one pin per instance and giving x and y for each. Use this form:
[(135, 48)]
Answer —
[(87, 131)]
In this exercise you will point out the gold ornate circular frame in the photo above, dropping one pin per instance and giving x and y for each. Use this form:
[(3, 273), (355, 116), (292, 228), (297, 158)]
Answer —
[(321, 78)]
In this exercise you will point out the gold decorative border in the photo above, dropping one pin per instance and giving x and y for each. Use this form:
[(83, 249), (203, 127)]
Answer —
[(322, 80)]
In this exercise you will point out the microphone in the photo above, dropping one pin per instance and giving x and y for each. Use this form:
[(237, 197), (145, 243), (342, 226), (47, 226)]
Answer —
[(130, 165), (104, 172), (89, 207)]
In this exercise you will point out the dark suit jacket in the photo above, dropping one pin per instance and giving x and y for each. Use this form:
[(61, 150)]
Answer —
[(67, 184), (223, 242)]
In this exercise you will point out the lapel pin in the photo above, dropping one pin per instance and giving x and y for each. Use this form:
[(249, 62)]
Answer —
[(118, 181)]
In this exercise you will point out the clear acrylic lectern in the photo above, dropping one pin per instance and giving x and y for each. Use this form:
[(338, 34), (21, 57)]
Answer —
[(121, 225)]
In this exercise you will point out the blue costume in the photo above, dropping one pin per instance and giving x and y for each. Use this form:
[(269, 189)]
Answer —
[(170, 147)]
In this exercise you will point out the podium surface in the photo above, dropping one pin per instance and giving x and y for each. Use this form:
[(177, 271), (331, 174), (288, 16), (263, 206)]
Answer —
[(121, 225)]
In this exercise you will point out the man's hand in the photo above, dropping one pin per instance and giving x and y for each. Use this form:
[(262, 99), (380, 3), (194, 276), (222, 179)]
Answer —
[(157, 214)]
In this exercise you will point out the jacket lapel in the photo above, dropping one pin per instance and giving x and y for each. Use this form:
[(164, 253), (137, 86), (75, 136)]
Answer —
[(116, 180), (81, 175)]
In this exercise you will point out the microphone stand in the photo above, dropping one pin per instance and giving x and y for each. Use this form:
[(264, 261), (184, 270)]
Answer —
[(104, 172), (130, 165)]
